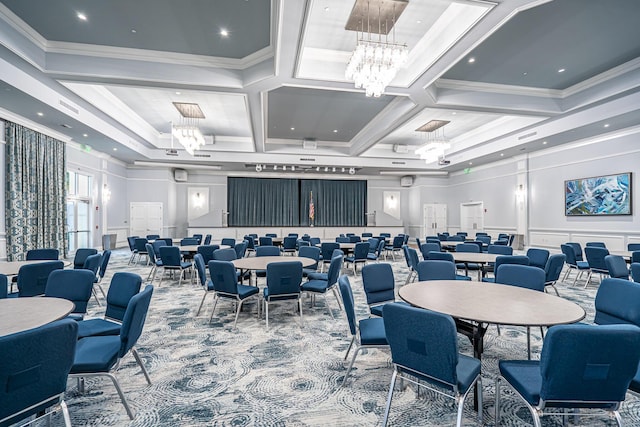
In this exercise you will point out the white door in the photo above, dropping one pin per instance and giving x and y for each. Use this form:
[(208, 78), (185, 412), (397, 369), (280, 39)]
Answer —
[(472, 217), (434, 218), (145, 218), (78, 225)]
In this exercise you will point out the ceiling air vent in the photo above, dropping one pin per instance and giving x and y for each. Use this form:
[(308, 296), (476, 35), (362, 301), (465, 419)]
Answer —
[(307, 159)]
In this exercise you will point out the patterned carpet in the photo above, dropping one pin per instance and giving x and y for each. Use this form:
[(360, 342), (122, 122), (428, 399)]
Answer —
[(208, 374)]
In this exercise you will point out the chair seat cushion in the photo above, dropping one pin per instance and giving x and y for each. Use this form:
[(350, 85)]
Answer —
[(307, 271), (376, 310), (469, 266), (97, 327), (524, 376), (462, 277), (319, 286), (372, 331), (318, 276), (245, 291), (372, 257), (96, 354), (635, 382), (582, 265), (467, 370)]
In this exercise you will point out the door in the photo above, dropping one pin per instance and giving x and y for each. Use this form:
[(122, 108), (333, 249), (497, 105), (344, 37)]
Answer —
[(434, 218), (472, 217), (78, 224), (145, 218)]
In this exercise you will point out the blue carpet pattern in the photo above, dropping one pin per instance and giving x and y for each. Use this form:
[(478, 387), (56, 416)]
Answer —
[(209, 374)]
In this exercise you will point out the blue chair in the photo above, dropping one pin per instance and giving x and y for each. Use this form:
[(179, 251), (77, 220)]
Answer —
[(313, 253), (326, 252), (581, 366), (366, 333), (227, 254), (92, 263), (485, 240), (167, 240), (140, 247), (631, 247), (573, 263), (265, 241), (446, 256), (538, 257), (506, 259), (577, 250), (395, 246), (207, 286), (32, 278), (373, 244), (354, 239), (82, 254), (172, 261), (552, 270), (617, 302), (73, 285), (367, 235), (207, 252), (289, 245), (360, 252), (266, 251), (224, 283), (283, 284), (153, 236), (207, 239), (189, 241), (425, 248), (411, 255), (343, 239), (635, 271), (436, 270), (595, 257), (293, 235), (241, 249), (379, 286), (156, 245), (154, 259), (228, 241), (43, 254), (377, 252), (251, 243), (470, 247), (424, 351), (318, 286), (34, 370), (315, 241), (4, 283), (596, 244), (123, 287), (198, 237), (131, 241), (635, 256), (271, 235), (617, 267), (100, 355), (498, 250)]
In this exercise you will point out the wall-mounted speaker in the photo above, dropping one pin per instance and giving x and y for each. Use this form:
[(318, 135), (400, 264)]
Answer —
[(406, 181), (180, 175)]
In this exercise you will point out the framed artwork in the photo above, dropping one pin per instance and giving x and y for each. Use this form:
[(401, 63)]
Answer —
[(600, 195)]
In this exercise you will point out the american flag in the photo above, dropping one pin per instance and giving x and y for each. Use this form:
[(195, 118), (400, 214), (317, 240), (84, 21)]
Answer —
[(312, 210)]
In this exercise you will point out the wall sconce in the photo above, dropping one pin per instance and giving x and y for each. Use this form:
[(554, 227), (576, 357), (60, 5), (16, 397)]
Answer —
[(392, 202), (198, 200), (106, 194)]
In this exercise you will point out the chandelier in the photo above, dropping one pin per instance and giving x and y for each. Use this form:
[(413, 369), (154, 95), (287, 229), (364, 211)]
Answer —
[(436, 142), (187, 132), (374, 63)]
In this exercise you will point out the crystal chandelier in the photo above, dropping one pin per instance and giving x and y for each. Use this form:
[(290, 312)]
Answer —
[(188, 131), (374, 63), (436, 142)]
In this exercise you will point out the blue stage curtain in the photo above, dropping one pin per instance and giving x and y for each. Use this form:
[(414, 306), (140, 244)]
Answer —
[(262, 202)]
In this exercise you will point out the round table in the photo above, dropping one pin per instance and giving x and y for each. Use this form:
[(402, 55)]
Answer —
[(474, 258), (21, 314), (261, 262), (194, 248), (11, 268), (345, 246)]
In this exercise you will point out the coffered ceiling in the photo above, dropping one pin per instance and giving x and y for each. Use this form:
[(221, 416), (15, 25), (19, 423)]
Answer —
[(511, 76)]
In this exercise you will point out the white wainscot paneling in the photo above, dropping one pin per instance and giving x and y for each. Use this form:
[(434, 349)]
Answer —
[(415, 231), (613, 242), (121, 233), (548, 240)]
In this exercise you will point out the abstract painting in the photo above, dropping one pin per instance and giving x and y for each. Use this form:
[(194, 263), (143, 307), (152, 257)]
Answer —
[(601, 195)]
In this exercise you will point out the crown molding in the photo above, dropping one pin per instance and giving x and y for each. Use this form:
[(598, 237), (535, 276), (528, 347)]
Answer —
[(497, 88)]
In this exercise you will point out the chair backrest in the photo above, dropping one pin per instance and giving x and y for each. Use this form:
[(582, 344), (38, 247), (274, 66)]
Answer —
[(168, 241), (462, 233), (228, 241), (189, 241), (153, 236), (92, 263), (223, 276), (207, 252), (380, 248), (635, 271), (198, 260), (3, 286), (385, 234), (398, 241), (577, 249), (633, 247), (484, 239), (635, 256), (292, 235), (265, 241), (35, 367), (538, 257), (267, 251), (32, 278), (503, 236), (510, 259), (455, 238), (133, 320), (198, 237), (373, 244), (436, 270), (207, 239), (151, 252), (310, 252), (355, 239), (122, 288), (570, 253), (617, 267), (131, 241), (104, 263), (72, 285), (271, 235), (139, 243), (42, 254), (434, 239), (227, 254), (241, 249), (289, 242), (468, 247), (82, 254), (500, 249), (170, 256), (157, 245), (596, 244), (523, 276), (412, 258), (327, 249), (284, 278), (617, 302), (378, 283), (418, 242), (251, 243), (442, 236), (314, 240), (361, 250), (440, 256), (341, 239), (348, 302), (335, 267), (367, 235), (425, 248), (554, 266), (589, 364), (595, 257), (423, 341)]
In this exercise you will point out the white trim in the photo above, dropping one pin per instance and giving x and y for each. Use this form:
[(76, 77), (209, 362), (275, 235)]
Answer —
[(505, 89), (11, 117)]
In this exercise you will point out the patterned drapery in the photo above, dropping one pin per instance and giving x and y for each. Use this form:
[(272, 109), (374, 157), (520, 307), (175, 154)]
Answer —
[(36, 192)]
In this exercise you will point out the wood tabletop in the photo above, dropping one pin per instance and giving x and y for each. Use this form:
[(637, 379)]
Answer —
[(21, 314), (492, 303), (11, 268), (260, 262), (480, 258), (194, 248), (345, 245)]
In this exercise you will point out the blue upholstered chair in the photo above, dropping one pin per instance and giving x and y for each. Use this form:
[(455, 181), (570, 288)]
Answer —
[(224, 283), (572, 262), (266, 251), (411, 255), (289, 245), (343, 239), (198, 237), (498, 250), (315, 241), (379, 286), (581, 366), (172, 261), (355, 239), (485, 240), (241, 249), (313, 253), (123, 287), (326, 252), (424, 351), (617, 302), (395, 246), (265, 241), (207, 286), (100, 355), (131, 241), (154, 259), (228, 241), (42, 254), (82, 254), (271, 235), (425, 248), (635, 271), (596, 244), (92, 263), (631, 247), (373, 244), (472, 248), (538, 257), (283, 284), (34, 370), (377, 252), (104, 263), (506, 259), (73, 285), (32, 278), (139, 244), (319, 286), (207, 252), (156, 247), (207, 240), (367, 235), (153, 236), (226, 254), (635, 256), (366, 333), (251, 243), (552, 270), (360, 252), (595, 257), (446, 256), (436, 270), (4, 283), (617, 267)]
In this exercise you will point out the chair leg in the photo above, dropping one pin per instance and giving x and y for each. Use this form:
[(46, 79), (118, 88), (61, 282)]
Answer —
[(237, 313), (95, 295), (266, 312), (353, 359), (349, 349), (326, 302), (65, 413), (528, 343), (390, 396), (300, 308), (121, 394), (201, 303), (336, 293), (497, 405), (215, 302), (141, 364)]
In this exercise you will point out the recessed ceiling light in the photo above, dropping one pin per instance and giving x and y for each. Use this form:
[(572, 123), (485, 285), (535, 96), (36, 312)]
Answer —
[(40, 114), (85, 135), (335, 131), (606, 125), (224, 32), (133, 30), (178, 93), (561, 70), (326, 9), (115, 149), (544, 142), (453, 113), (418, 22), (470, 163), (524, 74), (293, 128), (501, 154), (471, 60), (81, 16)]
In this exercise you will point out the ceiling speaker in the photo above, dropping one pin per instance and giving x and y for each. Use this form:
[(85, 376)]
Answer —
[(400, 148), (406, 181)]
